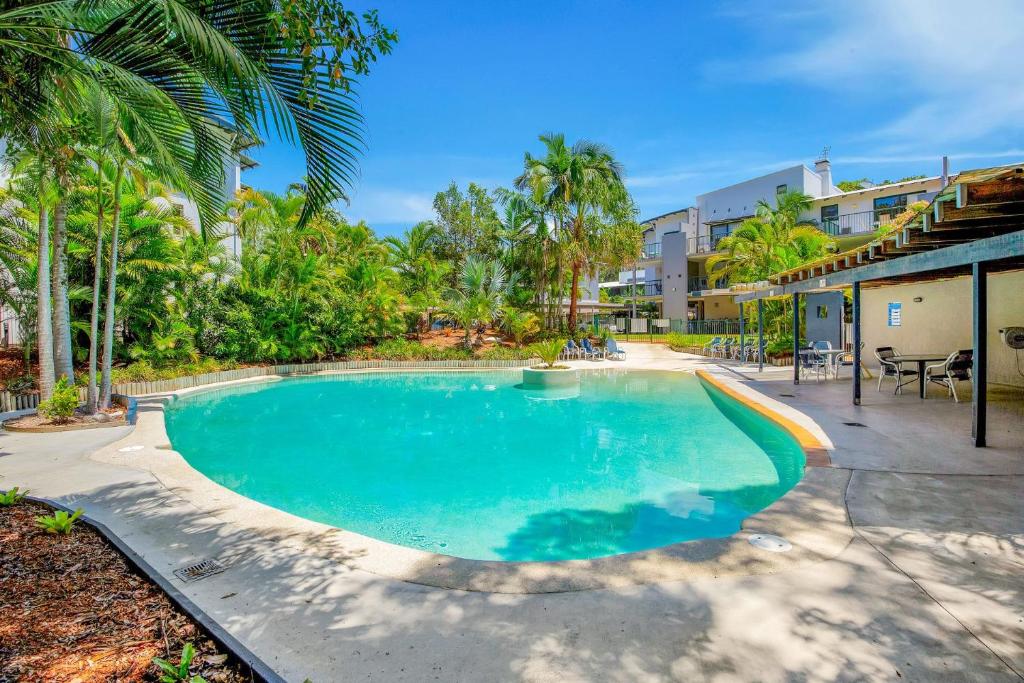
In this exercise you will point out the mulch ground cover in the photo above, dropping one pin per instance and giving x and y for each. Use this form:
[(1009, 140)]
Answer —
[(73, 610)]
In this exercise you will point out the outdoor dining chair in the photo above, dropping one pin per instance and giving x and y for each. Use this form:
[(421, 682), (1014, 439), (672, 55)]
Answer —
[(956, 368), (888, 368), (817, 362)]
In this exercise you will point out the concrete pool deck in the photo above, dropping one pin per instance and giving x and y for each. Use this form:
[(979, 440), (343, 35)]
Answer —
[(924, 579)]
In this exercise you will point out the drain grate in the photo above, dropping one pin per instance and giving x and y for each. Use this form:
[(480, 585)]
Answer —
[(199, 570), (770, 542), (788, 395), (854, 424)]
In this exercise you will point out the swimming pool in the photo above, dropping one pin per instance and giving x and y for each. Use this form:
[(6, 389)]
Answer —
[(469, 464)]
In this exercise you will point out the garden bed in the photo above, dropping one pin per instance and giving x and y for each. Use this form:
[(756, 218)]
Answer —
[(38, 423), (76, 611)]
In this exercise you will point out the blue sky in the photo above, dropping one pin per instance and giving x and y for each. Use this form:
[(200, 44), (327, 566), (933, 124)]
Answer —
[(691, 96)]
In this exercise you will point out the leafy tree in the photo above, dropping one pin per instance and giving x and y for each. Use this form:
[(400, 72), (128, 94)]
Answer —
[(520, 324), (467, 224), (478, 298), (582, 188)]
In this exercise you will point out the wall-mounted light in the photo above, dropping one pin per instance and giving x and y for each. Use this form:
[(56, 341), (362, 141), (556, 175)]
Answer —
[(918, 299)]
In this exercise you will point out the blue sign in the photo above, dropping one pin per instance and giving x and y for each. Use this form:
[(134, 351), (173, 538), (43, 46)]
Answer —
[(895, 314)]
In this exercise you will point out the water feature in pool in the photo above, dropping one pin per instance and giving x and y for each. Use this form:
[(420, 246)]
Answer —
[(469, 464)]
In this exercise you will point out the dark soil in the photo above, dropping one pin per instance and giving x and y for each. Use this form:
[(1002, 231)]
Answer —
[(38, 423), (74, 611)]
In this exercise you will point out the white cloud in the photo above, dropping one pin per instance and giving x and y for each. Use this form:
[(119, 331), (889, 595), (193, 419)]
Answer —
[(959, 63), (383, 205)]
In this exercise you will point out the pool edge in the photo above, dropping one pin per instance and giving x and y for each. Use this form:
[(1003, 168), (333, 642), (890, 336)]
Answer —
[(815, 452), (818, 534)]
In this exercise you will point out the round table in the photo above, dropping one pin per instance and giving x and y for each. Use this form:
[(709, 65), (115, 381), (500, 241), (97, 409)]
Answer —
[(921, 359)]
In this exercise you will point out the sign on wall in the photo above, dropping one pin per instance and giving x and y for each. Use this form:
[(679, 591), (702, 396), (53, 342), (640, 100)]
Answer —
[(895, 314)]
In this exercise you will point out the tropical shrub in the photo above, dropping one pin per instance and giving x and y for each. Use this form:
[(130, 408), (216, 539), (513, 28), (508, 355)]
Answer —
[(404, 349), (12, 497), (143, 371), (548, 351), (505, 353), (61, 405), (175, 673), (60, 522), (520, 324)]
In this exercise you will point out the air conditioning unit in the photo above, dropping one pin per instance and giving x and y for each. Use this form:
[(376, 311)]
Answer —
[(1012, 337)]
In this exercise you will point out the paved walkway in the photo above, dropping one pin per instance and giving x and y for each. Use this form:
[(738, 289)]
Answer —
[(929, 589)]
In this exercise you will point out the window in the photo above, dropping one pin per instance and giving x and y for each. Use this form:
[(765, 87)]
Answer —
[(718, 232), (822, 312), (830, 219), (887, 208), (781, 189)]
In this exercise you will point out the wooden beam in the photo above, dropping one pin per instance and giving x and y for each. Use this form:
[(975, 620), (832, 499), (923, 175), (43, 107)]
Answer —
[(981, 212), (961, 195), (1008, 248), (1002, 190)]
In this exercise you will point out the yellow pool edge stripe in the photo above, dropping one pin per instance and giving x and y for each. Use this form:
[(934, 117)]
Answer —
[(815, 452)]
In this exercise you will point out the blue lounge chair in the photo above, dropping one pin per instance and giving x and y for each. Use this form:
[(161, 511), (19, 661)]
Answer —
[(589, 349), (614, 352), (571, 350)]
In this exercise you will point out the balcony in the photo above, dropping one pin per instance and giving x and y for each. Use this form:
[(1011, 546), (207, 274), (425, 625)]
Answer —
[(697, 284), (703, 244), (652, 250), (649, 288), (859, 222)]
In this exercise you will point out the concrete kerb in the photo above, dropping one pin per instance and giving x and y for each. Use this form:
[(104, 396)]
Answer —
[(812, 516)]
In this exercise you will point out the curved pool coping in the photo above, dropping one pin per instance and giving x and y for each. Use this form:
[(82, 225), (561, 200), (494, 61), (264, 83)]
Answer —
[(811, 516)]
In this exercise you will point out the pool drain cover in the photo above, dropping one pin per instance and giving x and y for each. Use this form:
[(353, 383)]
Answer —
[(788, 395), (854, 424), (771, 543), (199, 570)]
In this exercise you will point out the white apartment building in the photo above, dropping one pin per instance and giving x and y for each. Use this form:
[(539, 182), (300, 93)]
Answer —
[(672, 271)]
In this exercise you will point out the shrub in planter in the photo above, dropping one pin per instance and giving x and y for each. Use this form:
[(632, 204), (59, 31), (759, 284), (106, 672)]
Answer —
[(61, 405), (549, 351)]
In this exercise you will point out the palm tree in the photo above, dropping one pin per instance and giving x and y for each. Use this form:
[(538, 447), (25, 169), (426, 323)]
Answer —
[(182, 69), (479, 297), (775, 239), (520, 324), (583, 190)]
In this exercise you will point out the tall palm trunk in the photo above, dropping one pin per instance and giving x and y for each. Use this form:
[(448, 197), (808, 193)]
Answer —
[(44, 323), (97, 281), (108, 314), (63, 363), (574, 291)]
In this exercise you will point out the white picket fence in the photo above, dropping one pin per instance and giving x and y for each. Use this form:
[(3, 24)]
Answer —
[(10, 401)]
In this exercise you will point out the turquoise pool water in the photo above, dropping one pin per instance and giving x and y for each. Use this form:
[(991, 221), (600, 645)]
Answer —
[(467, 464)]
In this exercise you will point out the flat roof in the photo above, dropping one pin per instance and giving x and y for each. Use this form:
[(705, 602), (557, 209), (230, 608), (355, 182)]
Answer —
[(888, 186), (665, 215)]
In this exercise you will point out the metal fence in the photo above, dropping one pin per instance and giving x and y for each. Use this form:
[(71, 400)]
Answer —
[(648, 327)]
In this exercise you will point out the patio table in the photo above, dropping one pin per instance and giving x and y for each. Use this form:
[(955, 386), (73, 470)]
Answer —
[(921, 359)]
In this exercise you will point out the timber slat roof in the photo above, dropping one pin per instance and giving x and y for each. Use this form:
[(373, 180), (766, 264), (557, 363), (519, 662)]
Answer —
[(980, 203)]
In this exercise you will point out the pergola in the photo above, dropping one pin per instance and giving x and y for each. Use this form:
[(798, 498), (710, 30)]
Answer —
[(975, 226)]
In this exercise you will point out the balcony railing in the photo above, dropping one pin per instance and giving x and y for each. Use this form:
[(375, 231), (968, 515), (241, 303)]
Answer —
[(651, 250), (649, 288), (859, 222), (703, 244), (697, 284)]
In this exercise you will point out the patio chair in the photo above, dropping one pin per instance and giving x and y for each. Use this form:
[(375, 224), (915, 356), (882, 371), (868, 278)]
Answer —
[(844, 360), (888, 368), (614, 352), (708, 348), (571, 350), (589, 349), (723, 348), (753, 352), (818, 362), (954, 369)]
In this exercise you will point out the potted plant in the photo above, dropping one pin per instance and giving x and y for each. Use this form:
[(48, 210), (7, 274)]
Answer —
[(549, 374)]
